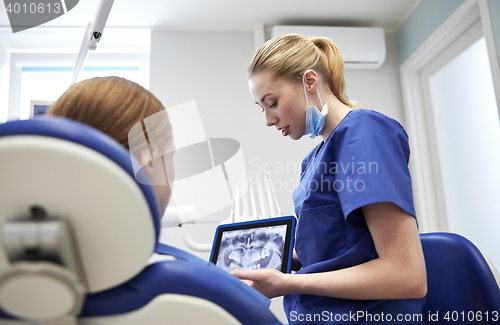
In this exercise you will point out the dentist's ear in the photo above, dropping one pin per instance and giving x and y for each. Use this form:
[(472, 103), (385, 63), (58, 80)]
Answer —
[(311, 81)]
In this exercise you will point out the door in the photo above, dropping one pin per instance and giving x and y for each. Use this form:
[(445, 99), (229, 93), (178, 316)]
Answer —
[(464, 132)]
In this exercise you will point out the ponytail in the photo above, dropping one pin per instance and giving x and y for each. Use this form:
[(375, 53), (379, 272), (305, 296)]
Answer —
[(333, 67)]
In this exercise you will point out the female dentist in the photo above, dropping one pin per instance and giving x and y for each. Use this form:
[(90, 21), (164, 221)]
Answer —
[(357, 236)]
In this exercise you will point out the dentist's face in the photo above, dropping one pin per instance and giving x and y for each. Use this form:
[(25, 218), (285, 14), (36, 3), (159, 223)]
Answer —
[(283, 103)]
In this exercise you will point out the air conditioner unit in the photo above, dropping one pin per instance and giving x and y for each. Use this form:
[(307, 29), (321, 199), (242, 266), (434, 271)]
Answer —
[(362, 48)]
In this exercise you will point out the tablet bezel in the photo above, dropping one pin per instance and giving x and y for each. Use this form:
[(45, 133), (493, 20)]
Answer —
[(290, 223)]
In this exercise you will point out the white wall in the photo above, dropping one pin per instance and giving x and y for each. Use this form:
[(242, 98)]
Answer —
[(208, 67), (379, 90), (4, 82)]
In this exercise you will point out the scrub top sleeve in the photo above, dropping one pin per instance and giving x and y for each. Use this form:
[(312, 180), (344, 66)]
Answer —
[(372, 166)]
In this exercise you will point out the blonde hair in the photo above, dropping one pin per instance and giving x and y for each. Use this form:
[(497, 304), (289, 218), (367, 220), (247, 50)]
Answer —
[(112, 105), (289, 56)]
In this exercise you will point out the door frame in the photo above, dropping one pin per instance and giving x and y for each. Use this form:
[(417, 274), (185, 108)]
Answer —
[(427, 182)]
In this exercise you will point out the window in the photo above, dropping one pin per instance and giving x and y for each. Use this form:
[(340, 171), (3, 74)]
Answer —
[(45, 77)]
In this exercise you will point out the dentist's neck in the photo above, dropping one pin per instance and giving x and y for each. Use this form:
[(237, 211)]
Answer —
[(336, 113)]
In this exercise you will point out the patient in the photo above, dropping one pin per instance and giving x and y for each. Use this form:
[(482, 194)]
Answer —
[(114, 105)]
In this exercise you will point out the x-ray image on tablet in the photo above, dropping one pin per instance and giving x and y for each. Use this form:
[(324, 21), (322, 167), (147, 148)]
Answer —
[(261, 244)]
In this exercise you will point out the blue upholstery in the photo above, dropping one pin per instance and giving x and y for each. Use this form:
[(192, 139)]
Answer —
[(177, 276), (459, 280), (180, 277)]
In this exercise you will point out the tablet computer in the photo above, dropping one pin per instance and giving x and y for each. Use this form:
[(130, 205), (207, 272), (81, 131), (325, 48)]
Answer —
[(252, 245)]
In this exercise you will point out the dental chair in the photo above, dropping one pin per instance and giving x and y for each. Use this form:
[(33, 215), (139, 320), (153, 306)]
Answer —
[(77, 231), (462, 286)]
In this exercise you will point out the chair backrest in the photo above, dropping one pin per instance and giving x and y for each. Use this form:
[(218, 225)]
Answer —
[(70, 213), (461, 285)]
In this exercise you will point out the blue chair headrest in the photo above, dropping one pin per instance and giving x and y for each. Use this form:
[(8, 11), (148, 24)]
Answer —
[(82, 175)]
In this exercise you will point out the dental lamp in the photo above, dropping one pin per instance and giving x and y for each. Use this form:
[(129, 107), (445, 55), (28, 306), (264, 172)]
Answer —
[(92, 36)]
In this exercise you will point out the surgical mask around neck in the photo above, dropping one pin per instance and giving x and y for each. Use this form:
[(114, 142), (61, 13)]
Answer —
[(315, 120)]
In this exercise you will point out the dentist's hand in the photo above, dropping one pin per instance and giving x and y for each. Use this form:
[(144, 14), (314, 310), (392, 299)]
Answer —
[(270, 282)]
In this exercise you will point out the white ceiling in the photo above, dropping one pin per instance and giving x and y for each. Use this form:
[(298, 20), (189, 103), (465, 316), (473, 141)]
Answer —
[(217, 15)]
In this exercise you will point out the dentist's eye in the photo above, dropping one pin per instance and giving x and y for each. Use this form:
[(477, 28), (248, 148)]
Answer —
[(273, 104)]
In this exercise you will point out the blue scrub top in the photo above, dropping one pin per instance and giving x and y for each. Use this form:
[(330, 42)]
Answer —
[(364, 161)]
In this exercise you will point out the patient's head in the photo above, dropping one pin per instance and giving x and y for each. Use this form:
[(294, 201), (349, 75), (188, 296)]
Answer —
[(114, 105)]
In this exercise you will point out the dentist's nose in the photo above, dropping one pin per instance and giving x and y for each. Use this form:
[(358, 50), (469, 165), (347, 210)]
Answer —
[(270, 120)]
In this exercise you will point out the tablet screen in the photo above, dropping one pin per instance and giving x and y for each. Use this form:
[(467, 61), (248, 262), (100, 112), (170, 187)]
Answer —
[(260, 244)]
